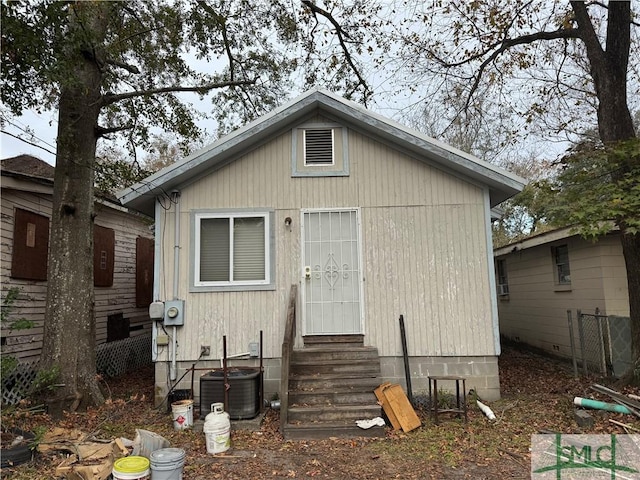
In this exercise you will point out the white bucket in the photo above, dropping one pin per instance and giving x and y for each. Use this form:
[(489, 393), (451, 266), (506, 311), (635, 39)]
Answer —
[(167, 463), (216, 429), (182, 412), (131, 468)]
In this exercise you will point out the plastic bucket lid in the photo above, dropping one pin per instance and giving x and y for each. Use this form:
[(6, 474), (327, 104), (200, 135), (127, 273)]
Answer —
[(132, 464), (167, 457)]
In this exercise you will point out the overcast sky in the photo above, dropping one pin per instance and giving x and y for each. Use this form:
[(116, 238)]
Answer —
[(44, 128)]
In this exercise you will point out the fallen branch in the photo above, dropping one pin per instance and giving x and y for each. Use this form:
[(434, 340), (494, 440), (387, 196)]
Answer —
[(515, 457), (624, 425)]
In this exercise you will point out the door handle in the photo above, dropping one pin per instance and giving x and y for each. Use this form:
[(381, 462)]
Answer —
[(307, 273)]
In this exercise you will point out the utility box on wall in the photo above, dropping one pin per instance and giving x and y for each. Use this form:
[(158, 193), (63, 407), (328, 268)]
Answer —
[(174, 313)]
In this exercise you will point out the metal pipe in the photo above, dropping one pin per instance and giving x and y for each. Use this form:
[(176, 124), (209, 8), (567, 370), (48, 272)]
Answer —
[(405, 355), (610, 407), (262, 376), (175, 198), (224, 373), (235, 355)]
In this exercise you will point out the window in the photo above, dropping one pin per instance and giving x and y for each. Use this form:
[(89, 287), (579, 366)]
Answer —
[(319, 149), (503, 282), (561, 259), (318, 146), (104, 240), (30, 245), (233, 250)]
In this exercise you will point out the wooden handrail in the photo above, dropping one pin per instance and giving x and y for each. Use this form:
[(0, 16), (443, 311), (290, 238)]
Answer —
[(287, 348)]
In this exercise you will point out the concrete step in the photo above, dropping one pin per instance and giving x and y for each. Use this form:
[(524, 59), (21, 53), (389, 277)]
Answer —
[(334, 413)]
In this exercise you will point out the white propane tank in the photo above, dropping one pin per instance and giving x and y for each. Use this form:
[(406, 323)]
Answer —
[(216, 429)]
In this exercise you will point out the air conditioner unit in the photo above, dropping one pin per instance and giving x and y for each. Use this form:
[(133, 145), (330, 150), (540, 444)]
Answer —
[(503, 289)]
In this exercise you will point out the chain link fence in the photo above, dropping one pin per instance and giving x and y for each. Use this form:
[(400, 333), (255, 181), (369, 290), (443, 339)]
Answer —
[(600, 343), (112, 359)]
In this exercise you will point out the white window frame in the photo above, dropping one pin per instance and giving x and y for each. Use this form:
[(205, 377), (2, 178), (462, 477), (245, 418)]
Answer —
[(199, 285)]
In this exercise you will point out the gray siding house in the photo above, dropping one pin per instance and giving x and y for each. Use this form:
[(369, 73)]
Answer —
[(369, 219)]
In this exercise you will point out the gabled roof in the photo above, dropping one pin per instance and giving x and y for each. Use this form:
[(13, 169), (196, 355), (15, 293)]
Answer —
[(501, 184), (30, 169), (543, 238), (27, 166)]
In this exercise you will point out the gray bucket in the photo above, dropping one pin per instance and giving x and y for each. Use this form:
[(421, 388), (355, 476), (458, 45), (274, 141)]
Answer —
[(167, 463)]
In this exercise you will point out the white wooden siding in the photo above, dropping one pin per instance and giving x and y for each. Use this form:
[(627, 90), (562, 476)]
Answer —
[(424, 249), (26, 344)]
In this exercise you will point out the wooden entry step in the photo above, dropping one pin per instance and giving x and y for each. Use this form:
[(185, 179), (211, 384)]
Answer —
[(331, 341)]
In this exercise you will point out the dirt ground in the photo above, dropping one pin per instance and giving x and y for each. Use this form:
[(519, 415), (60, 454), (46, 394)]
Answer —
[(537, 394)]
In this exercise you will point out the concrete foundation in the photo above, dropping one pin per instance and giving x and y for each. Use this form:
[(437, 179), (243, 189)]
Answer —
[(481, 374)]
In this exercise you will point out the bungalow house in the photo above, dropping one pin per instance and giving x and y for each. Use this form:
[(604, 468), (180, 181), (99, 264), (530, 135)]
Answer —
[(541, 277), (365, 218), (123, 260)]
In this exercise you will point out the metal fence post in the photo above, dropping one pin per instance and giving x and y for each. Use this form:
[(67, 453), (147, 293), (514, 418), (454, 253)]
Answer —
[(582, 345), (573, 345)]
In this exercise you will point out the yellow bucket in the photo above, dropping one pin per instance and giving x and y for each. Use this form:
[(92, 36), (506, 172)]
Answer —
[(131, 468)]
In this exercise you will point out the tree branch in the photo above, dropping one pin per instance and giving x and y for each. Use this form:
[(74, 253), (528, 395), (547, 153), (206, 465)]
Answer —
[(125, 66), (102, 131), (222, 22), (341, 34), (595, 52), (108, 99), (505, 45)]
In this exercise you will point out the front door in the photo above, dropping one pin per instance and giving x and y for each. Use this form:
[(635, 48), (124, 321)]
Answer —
[(331, 272)]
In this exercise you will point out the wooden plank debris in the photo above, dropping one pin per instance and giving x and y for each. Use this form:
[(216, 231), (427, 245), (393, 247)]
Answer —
[(632, 405), (397, 407)]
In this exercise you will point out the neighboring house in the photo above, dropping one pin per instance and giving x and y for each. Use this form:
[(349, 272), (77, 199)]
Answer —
[(371, 220), (123, 259), (541, 277)]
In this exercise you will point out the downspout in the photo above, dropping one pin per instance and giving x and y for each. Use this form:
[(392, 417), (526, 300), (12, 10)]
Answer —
[(175, 198), (491, 272), (160, 225)]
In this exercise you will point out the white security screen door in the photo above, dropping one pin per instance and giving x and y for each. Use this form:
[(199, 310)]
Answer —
[(331, 273)]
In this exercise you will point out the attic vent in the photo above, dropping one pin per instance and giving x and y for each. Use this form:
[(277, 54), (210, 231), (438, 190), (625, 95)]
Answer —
[(318, 147)]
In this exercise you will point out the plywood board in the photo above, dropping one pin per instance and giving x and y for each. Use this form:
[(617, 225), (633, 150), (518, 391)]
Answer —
[(401, 407), (382, 400)]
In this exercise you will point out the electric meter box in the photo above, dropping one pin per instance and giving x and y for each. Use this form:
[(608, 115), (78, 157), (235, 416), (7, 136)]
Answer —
[(174, 313)]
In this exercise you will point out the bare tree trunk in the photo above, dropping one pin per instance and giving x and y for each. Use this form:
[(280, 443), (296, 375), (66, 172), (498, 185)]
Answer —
[(69, 333), (609, 71)]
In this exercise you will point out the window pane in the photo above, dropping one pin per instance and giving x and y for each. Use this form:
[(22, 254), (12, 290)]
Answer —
[(562, 264), (248, 249), (214, 250)]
